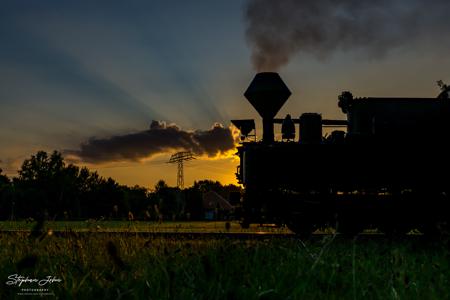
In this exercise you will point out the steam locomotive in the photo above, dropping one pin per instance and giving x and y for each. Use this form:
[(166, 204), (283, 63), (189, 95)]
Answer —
[(385, 166)]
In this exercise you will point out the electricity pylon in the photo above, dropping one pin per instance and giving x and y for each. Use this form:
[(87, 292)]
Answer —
[(179, 158)]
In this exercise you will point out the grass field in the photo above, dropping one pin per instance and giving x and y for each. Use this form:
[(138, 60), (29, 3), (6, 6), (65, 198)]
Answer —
[(111, 266), (141, 226)]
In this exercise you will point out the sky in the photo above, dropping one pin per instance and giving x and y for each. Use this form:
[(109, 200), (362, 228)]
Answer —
[(82, 76)]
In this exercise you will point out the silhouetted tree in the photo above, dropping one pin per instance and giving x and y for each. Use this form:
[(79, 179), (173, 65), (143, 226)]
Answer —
[(41, 184), (48, 187), (168, 199), (194, 203), (3, 178), (6, 199), (445, 89), (100, 197), (136, 200), (208, 185)]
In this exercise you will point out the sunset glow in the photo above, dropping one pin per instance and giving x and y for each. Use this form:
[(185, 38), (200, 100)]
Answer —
[(93, 72)]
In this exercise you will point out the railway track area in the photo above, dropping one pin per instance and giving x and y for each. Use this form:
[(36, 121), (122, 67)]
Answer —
[(177, 230)]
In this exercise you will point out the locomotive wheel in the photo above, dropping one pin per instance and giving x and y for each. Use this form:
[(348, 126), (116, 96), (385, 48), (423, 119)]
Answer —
[(300, 224), (393, 230), (348, 224), (350, 229), (430, 229)]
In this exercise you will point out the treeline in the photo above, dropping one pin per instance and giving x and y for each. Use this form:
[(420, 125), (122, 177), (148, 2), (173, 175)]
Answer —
[(47, 187)]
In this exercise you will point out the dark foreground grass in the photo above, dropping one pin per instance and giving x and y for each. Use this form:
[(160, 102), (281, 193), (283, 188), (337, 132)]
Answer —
[(110, 266)]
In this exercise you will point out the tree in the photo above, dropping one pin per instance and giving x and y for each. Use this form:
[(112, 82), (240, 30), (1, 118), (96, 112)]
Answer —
[(136, 200), (6, 199), (41, 167), (40, 183), (194, 203), (445, 89), (47, 186), (169, 200), (99, 196), (3, 179), (208, 185)]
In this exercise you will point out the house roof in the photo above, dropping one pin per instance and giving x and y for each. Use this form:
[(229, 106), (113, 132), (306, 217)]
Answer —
[(212, 200)]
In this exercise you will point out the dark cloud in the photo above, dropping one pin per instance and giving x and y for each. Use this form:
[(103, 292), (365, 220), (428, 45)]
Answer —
[(159, 138), (276, 30)]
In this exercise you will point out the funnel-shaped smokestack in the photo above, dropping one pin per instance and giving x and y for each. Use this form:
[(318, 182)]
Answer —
[(267, 93)]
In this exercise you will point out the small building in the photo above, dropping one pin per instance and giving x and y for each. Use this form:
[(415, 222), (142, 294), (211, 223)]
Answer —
[(215, 206)]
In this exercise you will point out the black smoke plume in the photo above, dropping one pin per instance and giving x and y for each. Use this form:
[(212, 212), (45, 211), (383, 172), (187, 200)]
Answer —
[(160, 138), (276, 30)]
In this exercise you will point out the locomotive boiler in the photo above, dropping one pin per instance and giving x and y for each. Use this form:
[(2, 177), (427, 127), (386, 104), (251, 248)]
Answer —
[(384, 166)]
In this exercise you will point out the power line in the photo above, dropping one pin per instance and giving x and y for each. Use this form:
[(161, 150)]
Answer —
[(179, 158)]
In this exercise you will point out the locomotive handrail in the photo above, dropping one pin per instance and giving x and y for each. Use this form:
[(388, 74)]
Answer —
[(325, 122)]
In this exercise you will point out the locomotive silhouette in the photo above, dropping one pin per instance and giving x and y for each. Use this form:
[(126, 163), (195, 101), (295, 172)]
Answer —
[(386, 166)]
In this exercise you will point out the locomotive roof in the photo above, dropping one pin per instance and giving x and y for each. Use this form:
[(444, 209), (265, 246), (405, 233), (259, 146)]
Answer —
[(399, 99)]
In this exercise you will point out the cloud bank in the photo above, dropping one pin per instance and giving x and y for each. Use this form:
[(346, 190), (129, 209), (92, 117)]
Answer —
[(160, 138)]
